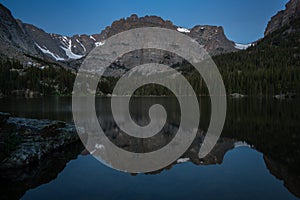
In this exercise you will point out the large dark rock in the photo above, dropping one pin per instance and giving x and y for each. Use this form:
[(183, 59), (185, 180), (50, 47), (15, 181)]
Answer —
[(15, 182), (34, 139), (52, 129)]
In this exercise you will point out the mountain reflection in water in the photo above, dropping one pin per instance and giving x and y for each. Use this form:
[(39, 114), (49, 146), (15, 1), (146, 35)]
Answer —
[(269, 127)]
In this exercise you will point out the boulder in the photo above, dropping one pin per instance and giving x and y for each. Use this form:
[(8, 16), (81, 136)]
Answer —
[(37, 139)]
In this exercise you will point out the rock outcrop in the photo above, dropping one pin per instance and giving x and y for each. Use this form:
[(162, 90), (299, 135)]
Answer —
[(15, 182), (284, 17), (15, 43), (26, 141)]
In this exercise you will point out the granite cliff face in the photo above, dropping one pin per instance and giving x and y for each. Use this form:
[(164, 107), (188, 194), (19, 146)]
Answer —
[(284, 17), (212, 37)]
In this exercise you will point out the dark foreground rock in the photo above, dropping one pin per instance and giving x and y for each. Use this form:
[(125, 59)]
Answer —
[(15, 182), (26, 141)]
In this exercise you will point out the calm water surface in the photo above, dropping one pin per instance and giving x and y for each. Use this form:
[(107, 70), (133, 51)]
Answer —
[(257, 156)]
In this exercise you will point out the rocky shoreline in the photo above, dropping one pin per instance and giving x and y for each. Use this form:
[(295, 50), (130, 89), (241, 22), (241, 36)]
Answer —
[(26, 141)]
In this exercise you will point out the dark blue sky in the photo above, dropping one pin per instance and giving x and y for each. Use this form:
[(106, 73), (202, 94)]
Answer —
[(244, 21)]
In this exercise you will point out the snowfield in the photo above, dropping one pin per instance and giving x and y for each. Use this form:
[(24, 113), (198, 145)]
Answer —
[(242, 46), (69, 52), (97, 44), (46, 51), (183, 30)]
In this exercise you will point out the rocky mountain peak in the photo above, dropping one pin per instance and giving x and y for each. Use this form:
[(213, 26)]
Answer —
[(284, 17), (19, 39), (211, 37), (134, 21), (4, 11), (14, 42)]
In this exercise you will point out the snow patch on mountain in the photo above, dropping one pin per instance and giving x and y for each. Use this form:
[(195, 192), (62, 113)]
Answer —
[(97, 44), (46, 51), (68, 50), (65, 39), (183, 160), (92, 38), (242, 46), (183, 30)]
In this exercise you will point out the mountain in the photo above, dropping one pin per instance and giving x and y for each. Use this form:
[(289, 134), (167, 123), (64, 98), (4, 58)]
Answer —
[(284, 17), (212, 37), (14, 41), (272, 65), (58, 47), (269, 67), (22, 41)]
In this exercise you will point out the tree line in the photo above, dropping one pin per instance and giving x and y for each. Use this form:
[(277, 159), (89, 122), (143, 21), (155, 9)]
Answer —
[(46, 81)]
